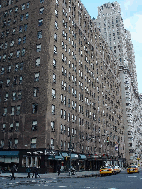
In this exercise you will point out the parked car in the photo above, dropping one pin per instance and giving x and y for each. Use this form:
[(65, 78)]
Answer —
[(106, 170), (133, 169)]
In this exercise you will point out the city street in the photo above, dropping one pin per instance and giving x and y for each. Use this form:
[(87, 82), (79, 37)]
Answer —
[(119, 181)]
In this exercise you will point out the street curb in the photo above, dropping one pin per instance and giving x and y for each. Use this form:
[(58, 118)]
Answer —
[(73, 176)]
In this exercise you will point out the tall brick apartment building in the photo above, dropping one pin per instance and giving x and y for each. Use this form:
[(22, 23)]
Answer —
[(59, 87)]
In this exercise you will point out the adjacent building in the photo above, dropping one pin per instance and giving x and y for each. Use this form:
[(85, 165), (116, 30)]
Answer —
[(110, 24)]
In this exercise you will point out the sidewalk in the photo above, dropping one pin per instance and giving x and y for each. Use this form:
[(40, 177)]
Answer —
[(55, 175)]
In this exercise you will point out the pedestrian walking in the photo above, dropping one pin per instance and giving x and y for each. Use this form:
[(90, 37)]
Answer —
[(38, 172), (28, 170), (33, 170), (13, 169), (58, 169)]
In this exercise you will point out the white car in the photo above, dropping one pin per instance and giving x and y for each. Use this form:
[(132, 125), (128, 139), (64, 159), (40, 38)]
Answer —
[(117, 169)]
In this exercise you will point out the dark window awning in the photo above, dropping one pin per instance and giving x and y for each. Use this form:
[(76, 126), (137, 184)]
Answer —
[(82, 156), (9, 153), (50, 157)]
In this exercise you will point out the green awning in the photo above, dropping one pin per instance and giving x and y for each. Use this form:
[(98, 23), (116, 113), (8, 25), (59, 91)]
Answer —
[(9, 153), (59, 157), (74, 156), (64, 154), (82, 156)]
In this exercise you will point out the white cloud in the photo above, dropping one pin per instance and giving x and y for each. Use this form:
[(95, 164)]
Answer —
[(133, 24), (128, 3)]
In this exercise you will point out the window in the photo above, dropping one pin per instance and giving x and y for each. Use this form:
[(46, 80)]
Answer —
[(53, 109), (2, 70), (52, 125), (9, 69), (33, 142), (39, 34), (18, 53), (2, 143), (8, 82), (68, 131), (19, 95), (34, 125), (20, 29), (11, 127), (9, 143), (15, 142), (54, 78), (54, 63), (23, 7), (55, 49), (6, 96), (17, 126), (56, 25), (61, 128), (61, 113), (21, 17), (19, 41), (40, 22), (18, 110), (37, 76), (34, 108), (27, 15), (35, 92), (23, 52), (20, 80), (28, 5), (55, 37), (64, 114), (56, 13), (25, 27), (12, 110), (5, 111), (13, 31), (3, 126), (16, 9), (15, 80), (41, 10), (37, 62), (38, 48), (12, 43), (16, 67), (24, 39), (53, 93), (52, 142), (13, 96)]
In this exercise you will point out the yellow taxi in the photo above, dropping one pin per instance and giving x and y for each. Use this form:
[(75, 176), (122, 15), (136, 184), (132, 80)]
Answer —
[(133, 169), (106, 170)]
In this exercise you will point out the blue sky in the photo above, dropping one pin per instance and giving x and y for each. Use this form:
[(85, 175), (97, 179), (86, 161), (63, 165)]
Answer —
[(131, 11)]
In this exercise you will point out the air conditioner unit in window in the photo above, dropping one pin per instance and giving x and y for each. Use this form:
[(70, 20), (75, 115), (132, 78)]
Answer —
[(53, 129)]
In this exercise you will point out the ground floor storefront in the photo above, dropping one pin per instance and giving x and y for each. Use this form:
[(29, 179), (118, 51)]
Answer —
[(48, 160)]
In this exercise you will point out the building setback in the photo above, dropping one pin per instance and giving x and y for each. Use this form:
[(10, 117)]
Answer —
[(60, 88)]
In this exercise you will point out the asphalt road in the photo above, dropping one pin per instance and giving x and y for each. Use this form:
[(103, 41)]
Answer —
[(119, 181)]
